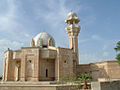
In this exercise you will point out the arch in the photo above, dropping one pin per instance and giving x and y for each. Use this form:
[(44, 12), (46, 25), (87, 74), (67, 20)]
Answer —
[(17, 71), (29, 70), (51, 42), (39, 43)]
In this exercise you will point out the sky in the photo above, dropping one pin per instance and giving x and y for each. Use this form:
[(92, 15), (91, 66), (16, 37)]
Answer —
[(22, 20)]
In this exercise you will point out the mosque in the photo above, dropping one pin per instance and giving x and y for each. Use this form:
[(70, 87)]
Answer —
[(42, 61)]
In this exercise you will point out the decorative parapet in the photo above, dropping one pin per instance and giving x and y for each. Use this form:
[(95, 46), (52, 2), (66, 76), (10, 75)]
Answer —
[(17, 54), (48, 54)]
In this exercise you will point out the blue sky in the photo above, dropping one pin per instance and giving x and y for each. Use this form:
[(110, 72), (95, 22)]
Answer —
[(21, 20)]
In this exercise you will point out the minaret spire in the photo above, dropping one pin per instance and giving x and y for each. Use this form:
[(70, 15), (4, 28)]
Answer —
[(73, 30)]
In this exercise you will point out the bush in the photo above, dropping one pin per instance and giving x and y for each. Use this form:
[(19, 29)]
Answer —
[(0, 77)]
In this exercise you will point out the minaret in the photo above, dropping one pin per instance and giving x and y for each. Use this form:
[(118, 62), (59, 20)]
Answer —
[(73, 30), (32, 43)]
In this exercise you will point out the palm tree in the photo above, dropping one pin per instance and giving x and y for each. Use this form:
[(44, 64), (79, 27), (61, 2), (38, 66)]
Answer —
[(117, 49), (85, 78)]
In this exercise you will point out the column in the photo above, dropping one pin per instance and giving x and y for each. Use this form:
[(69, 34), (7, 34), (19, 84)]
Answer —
[(23, 66), (4, 70), (36, 66)]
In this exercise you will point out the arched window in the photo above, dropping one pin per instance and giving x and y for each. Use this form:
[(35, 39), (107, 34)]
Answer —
[(51, 42), (29, 68), (39, 43), (46, 72)]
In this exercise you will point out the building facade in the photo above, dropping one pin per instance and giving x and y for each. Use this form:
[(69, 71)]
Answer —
[(42, 61)]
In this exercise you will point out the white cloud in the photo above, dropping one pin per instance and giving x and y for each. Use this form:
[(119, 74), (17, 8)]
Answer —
[(88, 58), (88, 20), (96, 37), (83, 40), (105, 54), (9, 24), (56, 15), (93, 37), (12, 22), (7, 19), (5, 43), (105, 47), (27, 35), (95, 57)]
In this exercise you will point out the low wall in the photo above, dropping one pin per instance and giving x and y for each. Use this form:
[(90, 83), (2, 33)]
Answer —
[(41, 87), (26, 88), (35, 86), (38, 88), (109, 85)]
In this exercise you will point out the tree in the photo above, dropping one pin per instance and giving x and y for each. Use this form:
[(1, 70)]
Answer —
[(76, 82), (70, 79), (117, 49), (63, 79), (85, 78)]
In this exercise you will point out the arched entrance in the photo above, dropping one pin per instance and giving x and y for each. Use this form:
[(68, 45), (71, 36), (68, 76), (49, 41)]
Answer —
[(17, 71), (29, 70), (47, 70)]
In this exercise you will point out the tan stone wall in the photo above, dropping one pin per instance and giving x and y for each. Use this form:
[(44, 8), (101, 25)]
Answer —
[(101, 71), (47, 62), (29, 67), (113, 69), (28, 58), (9, 66), (105, 70), (59, 62), (65, 58), (83, 68), (30, 54)]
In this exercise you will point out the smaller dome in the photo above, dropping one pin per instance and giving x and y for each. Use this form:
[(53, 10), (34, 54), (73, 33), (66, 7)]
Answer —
[(72, 18), (72, 14), (44, 39)]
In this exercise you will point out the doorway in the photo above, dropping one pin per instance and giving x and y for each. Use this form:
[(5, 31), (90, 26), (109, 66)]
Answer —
[(47, 70)]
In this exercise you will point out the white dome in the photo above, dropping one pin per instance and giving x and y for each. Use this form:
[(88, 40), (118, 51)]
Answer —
[(72, 14), (44, 37)]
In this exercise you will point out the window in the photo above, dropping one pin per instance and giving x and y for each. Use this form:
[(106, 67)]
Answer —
[(30, 61), (44, 46), (39, 42), (51, 42), (46, 72), (65, 61)]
